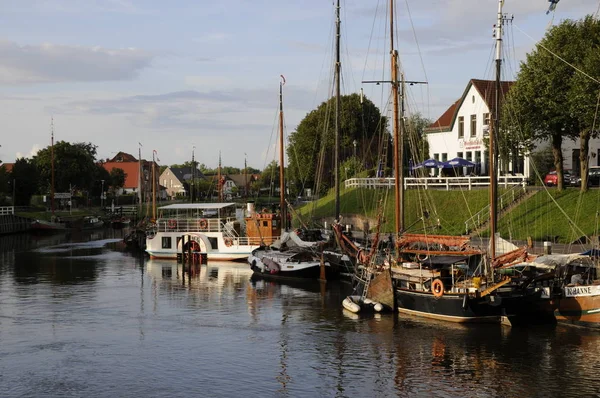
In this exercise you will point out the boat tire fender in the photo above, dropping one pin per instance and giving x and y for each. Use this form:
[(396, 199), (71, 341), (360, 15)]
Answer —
[(203, 224), (228, 242), (422, 257), (437, 288), (172, 224)]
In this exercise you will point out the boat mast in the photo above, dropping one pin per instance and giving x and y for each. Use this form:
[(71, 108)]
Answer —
[(398, 167), (140, 171), (337, 112), (153, 186), (219, 185), (494, 136), (52, 163), (193, 175), (282, 209)]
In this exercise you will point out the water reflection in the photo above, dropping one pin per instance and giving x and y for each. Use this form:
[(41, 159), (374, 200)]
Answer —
[(71, 308)]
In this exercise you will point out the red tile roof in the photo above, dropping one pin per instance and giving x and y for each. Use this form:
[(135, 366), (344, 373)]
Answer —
[(445, 121), (8, 166), (487, 90), (131, 169)]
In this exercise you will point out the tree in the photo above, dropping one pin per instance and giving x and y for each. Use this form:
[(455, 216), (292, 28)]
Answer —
[(73, 166), (117, 179), (269, 177), (551, 99), (416, 146), (311, 147), (25, 173)]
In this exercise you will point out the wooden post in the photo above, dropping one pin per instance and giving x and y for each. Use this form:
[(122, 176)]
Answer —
[(322, 275)]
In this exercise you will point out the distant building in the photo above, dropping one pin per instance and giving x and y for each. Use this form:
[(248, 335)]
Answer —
[(174, 179), (463, 129), (133, 168), (7, 166)]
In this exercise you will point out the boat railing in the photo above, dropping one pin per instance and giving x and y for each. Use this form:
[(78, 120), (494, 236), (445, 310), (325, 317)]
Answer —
[(447, 183), (190, 225)]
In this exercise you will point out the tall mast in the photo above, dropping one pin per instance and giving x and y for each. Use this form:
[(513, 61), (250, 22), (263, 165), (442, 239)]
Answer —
[(281, 168), (494, 136), (52, 163), (193, 175), (153, 186), (398, 172), (140, 171), (337, 112), (245, 176), (219, 185)]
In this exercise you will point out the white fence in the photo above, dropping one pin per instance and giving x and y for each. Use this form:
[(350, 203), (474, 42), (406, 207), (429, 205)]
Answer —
[(446, 183), (7, 210)]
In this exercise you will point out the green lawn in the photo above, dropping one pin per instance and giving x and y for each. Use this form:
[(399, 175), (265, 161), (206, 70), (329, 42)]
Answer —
[(537, 217)]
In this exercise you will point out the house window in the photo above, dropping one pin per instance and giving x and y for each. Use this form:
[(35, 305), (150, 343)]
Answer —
[(470, 156), (486, 119), (461, 127), (478, 157), (166, 242), (444, 157), (473, 125), (436, 156), (459, 155)]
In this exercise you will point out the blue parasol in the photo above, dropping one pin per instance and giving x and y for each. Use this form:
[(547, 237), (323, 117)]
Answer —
[(458, 162)]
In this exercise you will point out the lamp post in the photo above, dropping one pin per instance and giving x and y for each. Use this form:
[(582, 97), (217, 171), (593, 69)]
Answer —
[(102, 195), (354, 143)]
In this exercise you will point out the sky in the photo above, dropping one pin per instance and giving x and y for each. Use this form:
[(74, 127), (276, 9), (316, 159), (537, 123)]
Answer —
[(202, 77)]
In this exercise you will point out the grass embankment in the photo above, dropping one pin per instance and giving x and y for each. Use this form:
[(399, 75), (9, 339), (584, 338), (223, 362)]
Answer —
[(538, 217), (451, 208)]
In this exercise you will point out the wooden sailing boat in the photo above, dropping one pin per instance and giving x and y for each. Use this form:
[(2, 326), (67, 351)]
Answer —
[(301, 260), (53, 224), (434, 276)]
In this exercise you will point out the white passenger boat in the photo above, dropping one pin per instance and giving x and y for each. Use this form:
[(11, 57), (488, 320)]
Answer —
[(210, 228)]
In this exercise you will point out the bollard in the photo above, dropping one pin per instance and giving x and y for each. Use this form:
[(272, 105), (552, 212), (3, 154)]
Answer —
[(348, 226), (547, 247)]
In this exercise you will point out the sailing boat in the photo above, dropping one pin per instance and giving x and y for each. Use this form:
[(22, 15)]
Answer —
[(54, 224), (434, 276), (302, 259)]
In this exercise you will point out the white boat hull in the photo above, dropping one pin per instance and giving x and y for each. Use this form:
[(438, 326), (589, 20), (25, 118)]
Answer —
[(211, 243)]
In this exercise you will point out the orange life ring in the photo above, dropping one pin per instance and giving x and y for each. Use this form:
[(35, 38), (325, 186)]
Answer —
[(203, 224), (172, 224), (228, 241), (437, 288)]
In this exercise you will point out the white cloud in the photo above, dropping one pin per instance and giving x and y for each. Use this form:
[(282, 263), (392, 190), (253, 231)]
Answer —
[(49, 63)]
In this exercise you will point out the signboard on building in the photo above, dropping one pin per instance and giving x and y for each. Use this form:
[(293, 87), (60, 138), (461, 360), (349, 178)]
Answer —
[(62, 195)]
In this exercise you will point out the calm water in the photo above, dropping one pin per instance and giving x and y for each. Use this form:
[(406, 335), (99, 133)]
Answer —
[(81, 317)]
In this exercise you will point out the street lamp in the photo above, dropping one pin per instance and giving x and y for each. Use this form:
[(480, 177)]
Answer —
[(354, 143)]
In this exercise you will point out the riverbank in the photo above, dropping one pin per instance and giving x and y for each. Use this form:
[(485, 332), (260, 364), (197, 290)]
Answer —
[(544, 215)]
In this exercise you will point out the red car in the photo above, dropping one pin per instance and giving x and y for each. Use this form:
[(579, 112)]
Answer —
[(551, 178)]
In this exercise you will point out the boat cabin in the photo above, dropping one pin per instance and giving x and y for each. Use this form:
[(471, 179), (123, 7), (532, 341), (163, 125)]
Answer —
[(263, 227)]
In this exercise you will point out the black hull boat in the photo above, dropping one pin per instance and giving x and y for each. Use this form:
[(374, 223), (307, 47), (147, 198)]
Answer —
[(449, 307), (303, 264)]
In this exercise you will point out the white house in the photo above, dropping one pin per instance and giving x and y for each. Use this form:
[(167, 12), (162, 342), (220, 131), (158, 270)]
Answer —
[(462, 129)]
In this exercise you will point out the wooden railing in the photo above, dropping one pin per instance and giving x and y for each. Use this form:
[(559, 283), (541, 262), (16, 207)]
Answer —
[(7, 210), (446, 183)]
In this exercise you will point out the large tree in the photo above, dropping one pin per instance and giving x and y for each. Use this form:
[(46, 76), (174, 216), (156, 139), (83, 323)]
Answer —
[(311, 147), (73, 166), (25, 176), (555, 95)]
